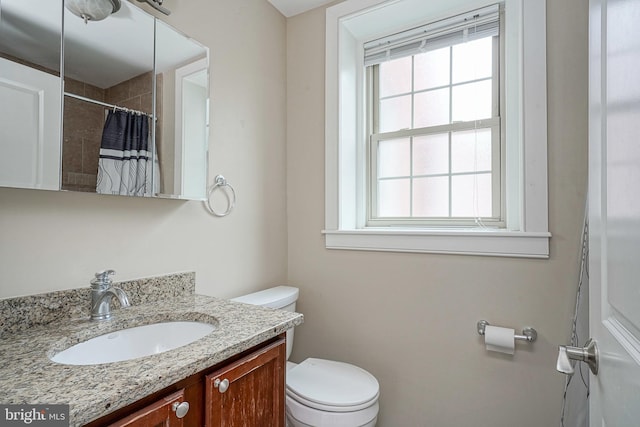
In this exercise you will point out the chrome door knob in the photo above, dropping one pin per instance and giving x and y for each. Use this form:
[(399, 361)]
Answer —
[(180, 408), (588, 354), (222, 386)]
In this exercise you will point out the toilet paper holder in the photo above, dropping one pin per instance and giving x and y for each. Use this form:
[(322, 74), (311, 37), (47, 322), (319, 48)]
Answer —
[(528, 334)]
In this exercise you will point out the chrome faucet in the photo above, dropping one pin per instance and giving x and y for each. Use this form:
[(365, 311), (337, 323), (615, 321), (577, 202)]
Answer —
[(102, 292)]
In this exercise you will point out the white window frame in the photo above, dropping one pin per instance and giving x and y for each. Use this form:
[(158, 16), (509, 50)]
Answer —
[(348, 26)]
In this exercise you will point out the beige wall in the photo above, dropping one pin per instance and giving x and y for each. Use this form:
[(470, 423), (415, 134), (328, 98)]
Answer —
[(410, 318), (51, 241)]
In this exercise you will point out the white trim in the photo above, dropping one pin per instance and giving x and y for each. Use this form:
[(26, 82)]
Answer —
[(331, 192), (535, 215), (526, 234), (464, 242)]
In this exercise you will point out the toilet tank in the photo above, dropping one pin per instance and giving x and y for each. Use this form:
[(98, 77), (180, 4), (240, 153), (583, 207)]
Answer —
[(280, 297)]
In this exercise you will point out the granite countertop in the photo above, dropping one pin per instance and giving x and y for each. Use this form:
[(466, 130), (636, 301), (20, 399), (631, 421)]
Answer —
[(28, 376)]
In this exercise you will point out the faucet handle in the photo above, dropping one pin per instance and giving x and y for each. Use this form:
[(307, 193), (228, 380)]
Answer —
[(103, 277), (104, 274)]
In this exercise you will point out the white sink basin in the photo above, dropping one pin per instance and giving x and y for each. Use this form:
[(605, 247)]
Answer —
[(133, 343)]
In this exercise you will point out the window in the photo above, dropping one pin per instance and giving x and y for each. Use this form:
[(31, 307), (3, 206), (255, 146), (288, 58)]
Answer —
[(424, 154), (434, 124)]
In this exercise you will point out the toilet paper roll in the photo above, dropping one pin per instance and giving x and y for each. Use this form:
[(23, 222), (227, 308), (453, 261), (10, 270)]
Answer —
[(499, 339)]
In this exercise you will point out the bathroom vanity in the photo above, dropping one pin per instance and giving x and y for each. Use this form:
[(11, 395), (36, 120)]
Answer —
[(246, 390), (237, 370)]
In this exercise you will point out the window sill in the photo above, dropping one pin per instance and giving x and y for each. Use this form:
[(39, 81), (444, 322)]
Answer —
[(499, 243)]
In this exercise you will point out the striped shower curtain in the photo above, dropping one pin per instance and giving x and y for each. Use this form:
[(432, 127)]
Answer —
[(125, 164)]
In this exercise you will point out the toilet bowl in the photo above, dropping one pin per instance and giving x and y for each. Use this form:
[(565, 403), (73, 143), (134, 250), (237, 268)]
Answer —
[(321, 392), (328, 393)]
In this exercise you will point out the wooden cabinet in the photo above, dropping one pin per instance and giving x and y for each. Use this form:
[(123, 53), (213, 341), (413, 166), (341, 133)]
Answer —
[(247, 390), (167, 412)]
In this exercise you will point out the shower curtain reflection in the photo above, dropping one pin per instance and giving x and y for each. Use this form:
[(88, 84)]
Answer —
[(125, 164)]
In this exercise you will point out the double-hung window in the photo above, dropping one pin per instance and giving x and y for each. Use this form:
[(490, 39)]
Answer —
[(436, 127), (434, 124)]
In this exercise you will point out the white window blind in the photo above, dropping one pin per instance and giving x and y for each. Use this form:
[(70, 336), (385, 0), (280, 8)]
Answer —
[(473, 25)]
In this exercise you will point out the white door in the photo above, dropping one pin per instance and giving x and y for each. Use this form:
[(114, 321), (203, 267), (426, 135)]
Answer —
[(614, 205), (29, 127)]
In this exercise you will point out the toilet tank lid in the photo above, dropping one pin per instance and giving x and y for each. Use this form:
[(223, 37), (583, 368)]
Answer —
[(277, 297)]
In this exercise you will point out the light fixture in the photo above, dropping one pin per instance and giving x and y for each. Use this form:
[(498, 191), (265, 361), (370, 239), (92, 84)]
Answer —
[(92, 10)]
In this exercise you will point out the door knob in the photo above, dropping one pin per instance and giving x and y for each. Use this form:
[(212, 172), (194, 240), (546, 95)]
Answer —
[(588, 354)]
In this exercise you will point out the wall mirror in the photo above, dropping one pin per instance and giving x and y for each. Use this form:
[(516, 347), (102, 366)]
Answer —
[(128, 115)]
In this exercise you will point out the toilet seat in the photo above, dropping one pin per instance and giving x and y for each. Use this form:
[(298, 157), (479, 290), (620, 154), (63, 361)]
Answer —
[(331, 386)]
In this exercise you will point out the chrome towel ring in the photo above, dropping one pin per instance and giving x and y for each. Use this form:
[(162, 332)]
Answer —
[(221, 182)]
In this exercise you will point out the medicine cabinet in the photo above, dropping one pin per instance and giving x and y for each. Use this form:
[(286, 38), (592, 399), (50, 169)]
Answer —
[(60, 78)]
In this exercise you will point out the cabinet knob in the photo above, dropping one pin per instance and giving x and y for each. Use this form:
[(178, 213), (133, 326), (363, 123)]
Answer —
[(180, 409), (222, 386)]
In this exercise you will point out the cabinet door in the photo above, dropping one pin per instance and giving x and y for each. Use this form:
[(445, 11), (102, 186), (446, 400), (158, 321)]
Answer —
[(249, 392), (163, 413)]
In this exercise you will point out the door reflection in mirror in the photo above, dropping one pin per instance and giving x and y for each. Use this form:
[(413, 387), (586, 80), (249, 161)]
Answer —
[(183, 114), (30, 90)]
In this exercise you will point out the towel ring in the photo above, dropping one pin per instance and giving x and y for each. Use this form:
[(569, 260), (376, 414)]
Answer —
[(221, 182)]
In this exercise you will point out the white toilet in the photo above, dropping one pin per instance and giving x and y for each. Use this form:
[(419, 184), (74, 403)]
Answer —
[(321, 392)]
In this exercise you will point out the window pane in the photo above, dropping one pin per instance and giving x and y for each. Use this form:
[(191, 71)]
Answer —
[(395, 77), (472, 101), (394, 156), (471, 195), (393, 198), (431, 69), (471, 151), (431, 154), (431, 197), (473, 60), (431, 108), (395, 114)]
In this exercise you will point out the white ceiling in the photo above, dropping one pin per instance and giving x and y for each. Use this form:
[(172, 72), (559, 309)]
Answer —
[(293, 7)]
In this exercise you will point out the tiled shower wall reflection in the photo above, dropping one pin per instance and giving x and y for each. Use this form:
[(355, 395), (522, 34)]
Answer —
[(84, 121)]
